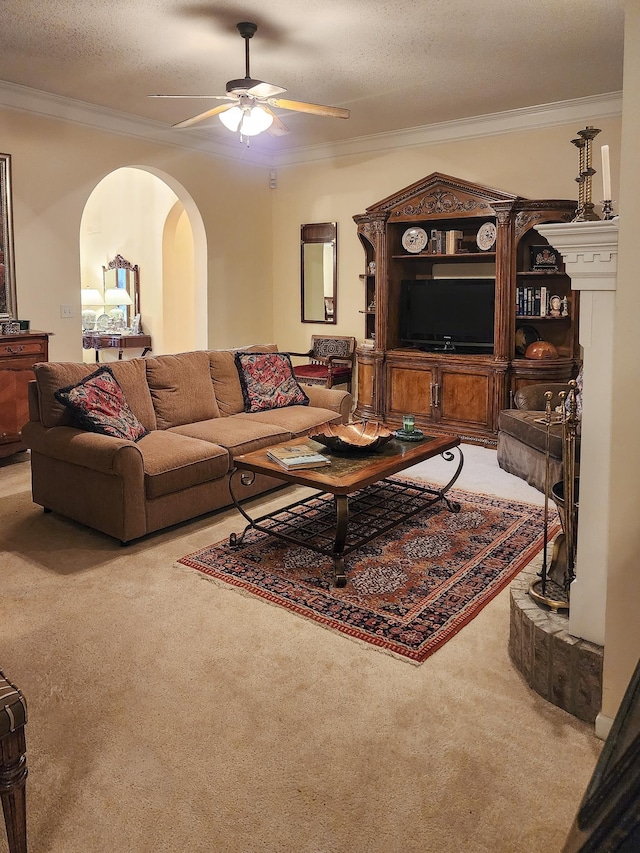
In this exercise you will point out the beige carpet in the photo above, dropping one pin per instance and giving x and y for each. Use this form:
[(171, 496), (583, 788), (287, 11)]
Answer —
[(171, 714)]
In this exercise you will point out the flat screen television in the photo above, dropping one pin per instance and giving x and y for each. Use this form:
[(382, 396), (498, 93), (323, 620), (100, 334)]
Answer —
[(448, 314)]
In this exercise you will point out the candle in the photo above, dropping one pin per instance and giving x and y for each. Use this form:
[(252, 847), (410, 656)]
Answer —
[(606, 174)]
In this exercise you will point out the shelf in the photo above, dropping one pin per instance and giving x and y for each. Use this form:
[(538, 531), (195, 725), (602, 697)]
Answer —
[(370, 313), (537, 317), (364, 276), (458, 256), (541, 273)]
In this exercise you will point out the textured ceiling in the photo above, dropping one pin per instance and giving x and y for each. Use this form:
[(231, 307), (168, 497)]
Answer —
[(394, 63)]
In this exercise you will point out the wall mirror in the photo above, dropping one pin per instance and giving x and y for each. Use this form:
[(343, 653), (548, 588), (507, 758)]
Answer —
[(8, 300), (122, 293), (319, 272)]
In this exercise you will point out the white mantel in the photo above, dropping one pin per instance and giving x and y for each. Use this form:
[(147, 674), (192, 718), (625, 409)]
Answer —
[(590, 253)]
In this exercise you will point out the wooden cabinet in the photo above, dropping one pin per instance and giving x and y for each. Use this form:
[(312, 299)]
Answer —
[(467, 235), (18, 353)]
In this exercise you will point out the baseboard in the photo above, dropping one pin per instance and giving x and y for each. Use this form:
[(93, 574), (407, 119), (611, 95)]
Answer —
[(603, 726)]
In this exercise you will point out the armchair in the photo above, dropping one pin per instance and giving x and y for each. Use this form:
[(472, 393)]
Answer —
[(522, 436), (13, 764), (331, 361)]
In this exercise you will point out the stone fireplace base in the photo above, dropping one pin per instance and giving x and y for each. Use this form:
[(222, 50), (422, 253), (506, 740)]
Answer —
[(563, 669)]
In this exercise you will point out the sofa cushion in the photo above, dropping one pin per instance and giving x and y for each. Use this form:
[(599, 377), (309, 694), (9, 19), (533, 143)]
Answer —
[(130, 374), (525, 427), (236, 434), (225, 378), (268, 382), (98, 404), (297, 419), (13, 707), (181, 388), (175, 462)]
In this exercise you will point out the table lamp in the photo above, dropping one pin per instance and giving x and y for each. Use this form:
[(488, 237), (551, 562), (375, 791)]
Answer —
[(90, 296), (117, 297)]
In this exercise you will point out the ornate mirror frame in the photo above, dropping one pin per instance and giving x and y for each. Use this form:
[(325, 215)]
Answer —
[(8, 298), (319, 272), (122, 273)]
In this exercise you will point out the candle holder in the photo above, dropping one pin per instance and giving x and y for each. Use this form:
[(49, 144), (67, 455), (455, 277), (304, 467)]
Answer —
[(607, 209), (583, 143)]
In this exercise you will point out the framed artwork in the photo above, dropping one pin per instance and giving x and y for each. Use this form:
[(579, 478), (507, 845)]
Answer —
[(544, 258), (8, 300)]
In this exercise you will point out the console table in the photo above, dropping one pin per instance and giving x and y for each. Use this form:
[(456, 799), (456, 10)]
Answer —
[(100, 340)]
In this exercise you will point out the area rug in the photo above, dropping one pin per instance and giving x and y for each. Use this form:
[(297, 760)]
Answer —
[(409, 590)]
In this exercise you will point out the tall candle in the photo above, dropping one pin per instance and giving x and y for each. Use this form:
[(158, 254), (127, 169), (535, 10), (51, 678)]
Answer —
[(606, 174)]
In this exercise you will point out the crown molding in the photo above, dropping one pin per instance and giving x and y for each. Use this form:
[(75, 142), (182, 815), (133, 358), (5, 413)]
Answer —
[(24, 99), (588, 109)]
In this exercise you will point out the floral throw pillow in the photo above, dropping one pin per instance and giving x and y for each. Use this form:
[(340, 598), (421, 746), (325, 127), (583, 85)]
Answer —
[(97, 404), (268, 382)]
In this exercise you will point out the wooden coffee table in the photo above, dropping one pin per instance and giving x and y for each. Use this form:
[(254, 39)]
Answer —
[(378, 505)]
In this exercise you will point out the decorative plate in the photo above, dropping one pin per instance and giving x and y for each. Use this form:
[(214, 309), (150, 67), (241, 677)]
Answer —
[(415, 239), (356, 437), (102, 323), (486, 236), (525, 335)]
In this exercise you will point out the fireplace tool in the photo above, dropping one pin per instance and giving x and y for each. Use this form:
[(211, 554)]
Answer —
[(554, 581)]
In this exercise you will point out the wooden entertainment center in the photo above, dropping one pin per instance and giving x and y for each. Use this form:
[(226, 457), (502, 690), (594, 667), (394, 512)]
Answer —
[(461, 389)]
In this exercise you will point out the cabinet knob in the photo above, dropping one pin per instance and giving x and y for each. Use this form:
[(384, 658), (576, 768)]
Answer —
[(15, 350)]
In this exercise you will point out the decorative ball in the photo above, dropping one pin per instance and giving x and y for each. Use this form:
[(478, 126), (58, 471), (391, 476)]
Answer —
[(541, 349)]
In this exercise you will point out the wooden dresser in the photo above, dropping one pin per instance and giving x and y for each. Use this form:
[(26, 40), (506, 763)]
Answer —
[(18, 353)]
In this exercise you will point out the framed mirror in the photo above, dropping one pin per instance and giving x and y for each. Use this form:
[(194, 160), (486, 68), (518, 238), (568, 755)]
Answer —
[(122, 292), (319, 272), (8, 300)]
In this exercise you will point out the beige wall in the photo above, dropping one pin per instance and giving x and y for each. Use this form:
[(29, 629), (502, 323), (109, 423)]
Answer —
[(536, 164), (55, 167), (622, 629)]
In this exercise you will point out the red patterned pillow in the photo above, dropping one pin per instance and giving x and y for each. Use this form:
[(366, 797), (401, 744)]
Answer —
[(268, 382), (98, 404)]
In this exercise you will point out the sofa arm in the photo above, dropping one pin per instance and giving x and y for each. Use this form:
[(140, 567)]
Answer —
[(330, 398), (89, 449), (531, 397)]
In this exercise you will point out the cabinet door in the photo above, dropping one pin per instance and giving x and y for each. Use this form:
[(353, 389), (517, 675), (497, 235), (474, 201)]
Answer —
[(410, 390), (14, 408), (464, 398)]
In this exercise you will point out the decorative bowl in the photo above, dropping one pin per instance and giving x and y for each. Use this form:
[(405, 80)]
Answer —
[(354, 437), (541, 349)]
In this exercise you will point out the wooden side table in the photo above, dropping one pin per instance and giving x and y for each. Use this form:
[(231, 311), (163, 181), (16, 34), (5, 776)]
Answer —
[(19, 351), (98, 341)]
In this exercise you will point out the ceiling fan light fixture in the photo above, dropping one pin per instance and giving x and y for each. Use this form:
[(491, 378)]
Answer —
[(255, 120), (231, 118)]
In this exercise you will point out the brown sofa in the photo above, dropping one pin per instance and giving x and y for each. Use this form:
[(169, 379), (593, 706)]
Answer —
[(192, 405)]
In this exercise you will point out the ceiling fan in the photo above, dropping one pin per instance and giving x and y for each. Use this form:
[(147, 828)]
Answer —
[(249, 102)]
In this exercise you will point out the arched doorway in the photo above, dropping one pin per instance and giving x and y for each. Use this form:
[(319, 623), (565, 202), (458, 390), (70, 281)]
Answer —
[(150, 219)]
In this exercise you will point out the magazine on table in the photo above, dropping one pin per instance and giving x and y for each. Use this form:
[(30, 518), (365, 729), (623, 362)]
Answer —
[(297, 456)]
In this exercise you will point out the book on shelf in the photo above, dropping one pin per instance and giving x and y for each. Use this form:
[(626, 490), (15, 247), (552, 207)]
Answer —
[(297, 456), (453, 242)]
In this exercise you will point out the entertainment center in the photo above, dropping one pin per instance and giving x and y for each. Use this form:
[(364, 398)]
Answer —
[(458, 282)]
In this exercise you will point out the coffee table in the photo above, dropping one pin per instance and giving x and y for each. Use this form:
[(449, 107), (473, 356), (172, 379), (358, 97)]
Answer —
[(379, 503)]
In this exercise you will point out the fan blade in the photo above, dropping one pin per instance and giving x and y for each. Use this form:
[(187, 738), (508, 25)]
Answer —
[(314, 109), (202, 116), (265, 90), (278, 128), (208, 97)]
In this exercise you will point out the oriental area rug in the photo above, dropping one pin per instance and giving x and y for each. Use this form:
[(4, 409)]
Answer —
[(409, 590)]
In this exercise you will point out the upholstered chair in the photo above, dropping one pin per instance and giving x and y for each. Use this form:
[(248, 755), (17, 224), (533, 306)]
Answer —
[(331, 361), (13, 764)]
